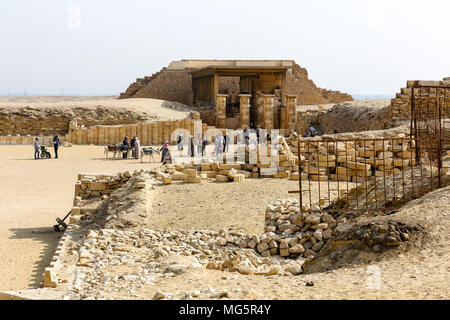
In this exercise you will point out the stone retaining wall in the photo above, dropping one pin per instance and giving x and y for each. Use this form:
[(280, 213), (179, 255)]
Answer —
[(400, 108), (355, 160)]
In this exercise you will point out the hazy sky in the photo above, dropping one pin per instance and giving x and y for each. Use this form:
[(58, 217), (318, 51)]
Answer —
[(97, 47)]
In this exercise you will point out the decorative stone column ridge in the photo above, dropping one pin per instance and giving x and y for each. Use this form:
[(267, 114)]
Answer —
[(221, 110), (268, 111), (244, 110), (291, 111)]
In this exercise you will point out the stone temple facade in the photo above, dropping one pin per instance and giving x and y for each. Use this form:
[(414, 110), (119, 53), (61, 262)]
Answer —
[(238, 92)]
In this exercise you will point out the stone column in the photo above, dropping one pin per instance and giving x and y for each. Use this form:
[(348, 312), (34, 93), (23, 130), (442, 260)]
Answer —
[(291, 111), (221, 110), (244, 110), (268, 111)]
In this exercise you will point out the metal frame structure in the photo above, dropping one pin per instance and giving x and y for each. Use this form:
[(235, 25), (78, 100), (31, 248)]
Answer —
[(430, 117)]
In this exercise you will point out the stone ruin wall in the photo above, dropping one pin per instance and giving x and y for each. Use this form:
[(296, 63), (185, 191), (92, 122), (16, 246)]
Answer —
[(148, 132), (307, 92), (400, 109), (168, 85), (356, 160)]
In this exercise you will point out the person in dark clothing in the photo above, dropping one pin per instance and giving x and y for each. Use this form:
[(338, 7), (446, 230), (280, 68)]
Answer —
[(226, 141), (132, 145), (246, 136), (204, 143), (125, 145), (36, 148), (56, 144), (258, 134), (191, 146), (311, 132), (165, 152)]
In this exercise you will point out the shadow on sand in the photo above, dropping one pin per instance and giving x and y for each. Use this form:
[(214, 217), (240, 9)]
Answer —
[(46, 236)]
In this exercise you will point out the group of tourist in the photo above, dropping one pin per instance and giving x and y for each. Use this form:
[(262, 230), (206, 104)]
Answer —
[(38, 149), (134, 145), (200, 142), (221, 144)]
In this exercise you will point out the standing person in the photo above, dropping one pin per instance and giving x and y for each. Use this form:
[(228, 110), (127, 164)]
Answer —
[(220, 144), (56, 144), (246, 136), (191, 146), (36, 148), (258, 133), (204, 143), (217, 144), (132, 146), (125, 145), (198, 142), (180, 142), (165, 152), (226, 143), (137, 147)]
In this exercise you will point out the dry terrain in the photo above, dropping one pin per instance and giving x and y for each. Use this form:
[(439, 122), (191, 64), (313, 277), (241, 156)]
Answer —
[(33, 194), (153, 108), (40, 190)]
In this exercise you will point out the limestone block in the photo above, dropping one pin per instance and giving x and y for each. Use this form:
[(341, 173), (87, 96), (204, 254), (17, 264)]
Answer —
[(317, 177), (281, 175), (167, 179), (97, 186), (191, 172), (229, 166), (191, 179), (231, 173), (205, 167), (357, 165), (178, 176), (239, 178), (50, 279), (221, 178), (211, 174)]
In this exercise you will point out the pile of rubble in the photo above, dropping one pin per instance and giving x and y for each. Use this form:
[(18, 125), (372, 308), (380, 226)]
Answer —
[(236, 167), (299, 233), (99, 185)]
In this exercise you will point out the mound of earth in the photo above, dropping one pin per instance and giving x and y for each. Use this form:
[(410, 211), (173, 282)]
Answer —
[(421, 224), (50, 116), (355, 116)]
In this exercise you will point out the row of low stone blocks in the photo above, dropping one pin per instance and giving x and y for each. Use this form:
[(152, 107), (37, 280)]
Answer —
[(148, 133), (27, 139), (99, 185)]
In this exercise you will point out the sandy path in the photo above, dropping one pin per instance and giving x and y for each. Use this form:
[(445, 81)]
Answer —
[(32, 194)]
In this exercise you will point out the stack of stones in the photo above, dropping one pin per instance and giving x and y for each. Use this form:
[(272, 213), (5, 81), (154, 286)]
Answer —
[(99, 185), (294, 233), (355, 160), (400, 108), (283, 165)]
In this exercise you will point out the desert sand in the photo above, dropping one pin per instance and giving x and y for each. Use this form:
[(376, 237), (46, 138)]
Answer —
[(35, 192)]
